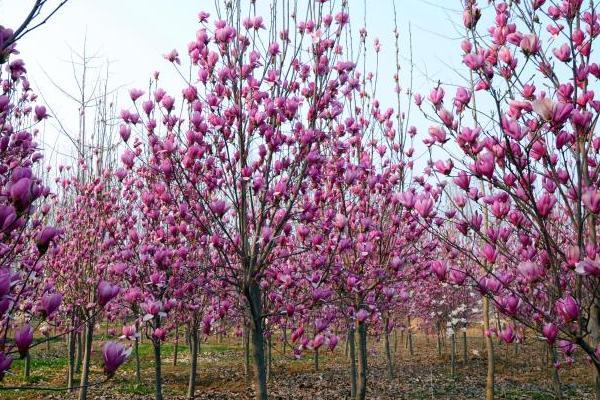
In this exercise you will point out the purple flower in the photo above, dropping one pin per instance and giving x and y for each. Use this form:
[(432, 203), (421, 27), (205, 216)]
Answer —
[(40, 113), (5, 363), (550, 331), (114, 355), (50, 303), (568, 308), (23, 339), (106, 292), (21, 193), (46, 236)]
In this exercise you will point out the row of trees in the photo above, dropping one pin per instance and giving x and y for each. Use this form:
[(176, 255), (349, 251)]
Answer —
[(275, 193)]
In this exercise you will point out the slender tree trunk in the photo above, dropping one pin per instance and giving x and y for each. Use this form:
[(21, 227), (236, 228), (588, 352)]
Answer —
[(270, 354), (258, 350), (439, 341), (247, 351), (453, 355), (87, 355), (594, 326), (489, 345), (176, 345), (465, 349), (194, 361), (410, 339), (361, 391), (71, 360), (388, 351), (352, 351), (79, 337), (555, 376), (157, 363), (284, 339), (27, 367), (138, 372)]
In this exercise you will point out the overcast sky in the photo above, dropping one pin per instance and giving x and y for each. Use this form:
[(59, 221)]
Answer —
[(132, 35)]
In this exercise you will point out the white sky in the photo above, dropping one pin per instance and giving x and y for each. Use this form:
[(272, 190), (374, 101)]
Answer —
[(133, 35)]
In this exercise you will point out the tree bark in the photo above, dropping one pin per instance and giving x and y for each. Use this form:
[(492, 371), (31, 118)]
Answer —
[(453, 355), (176, 346), (352, 355), (71, 360), (138, 372), (555, 376), (316, 359), (410, 339), (87, 355), (388, 351), (157, 363), (194, 361), (489, 346), (258, 342), (465, 349), (361, 390), (27, 367), (247, 351)]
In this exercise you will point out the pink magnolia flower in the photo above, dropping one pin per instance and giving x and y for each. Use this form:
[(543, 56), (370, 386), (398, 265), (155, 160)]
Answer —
[(106, 292), (5, 363), (550, 332), (50, 303), (588, 267), (507, 335), (591, 199), (362, 315), (23, 339), (567, 308), (114, 355), (424, 206), (530, 44), (45, 237), (439, 269), (531, 271)]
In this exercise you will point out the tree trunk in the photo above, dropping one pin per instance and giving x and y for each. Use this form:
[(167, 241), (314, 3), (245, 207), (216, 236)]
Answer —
[(410, 339), (361, 391), (79, 360), (489, 346), (465, 349), (258, 350), (87, 355), (71, 360), (157, 363), (176, 346), (284, 339), (352, 353), (594, 326), (27, 367), (316, 359), (555, 377), (439, 341), (247, 351), (138, 372), (388, 351), (193, 362), (270, 355), (453, 355)]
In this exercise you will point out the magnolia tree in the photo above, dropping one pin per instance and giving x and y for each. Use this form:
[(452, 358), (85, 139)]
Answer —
[(80, 265), (24, 238), (519, 142), (259, 109)]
